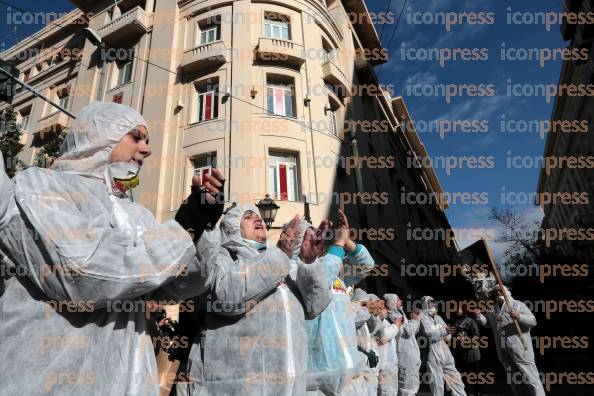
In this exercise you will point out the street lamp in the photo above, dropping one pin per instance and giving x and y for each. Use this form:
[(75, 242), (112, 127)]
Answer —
[(306, 214), (268, 209)]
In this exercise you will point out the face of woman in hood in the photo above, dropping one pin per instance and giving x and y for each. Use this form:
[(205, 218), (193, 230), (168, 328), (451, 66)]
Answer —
[(133, 148), (252, 227)]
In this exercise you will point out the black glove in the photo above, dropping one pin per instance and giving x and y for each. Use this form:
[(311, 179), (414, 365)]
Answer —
[(372, 357), (196, 214)]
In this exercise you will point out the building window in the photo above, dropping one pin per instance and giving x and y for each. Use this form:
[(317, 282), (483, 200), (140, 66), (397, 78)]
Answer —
[(207, 102), (122, 72), (277, 26), (25, 117), (26, 75), (63, 100), (210, 33), (204, 163), (280, 97), (328, 51), (333, 121), (282, 176)]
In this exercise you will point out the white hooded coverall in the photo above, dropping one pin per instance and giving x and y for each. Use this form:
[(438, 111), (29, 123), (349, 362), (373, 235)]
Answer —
[(516, 361), (440, 362), (76, 263)]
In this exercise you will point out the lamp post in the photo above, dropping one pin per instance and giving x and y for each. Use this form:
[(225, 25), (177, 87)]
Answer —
[(268, 209)]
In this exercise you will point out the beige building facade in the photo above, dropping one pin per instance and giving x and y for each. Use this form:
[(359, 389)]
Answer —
[(281, 96)]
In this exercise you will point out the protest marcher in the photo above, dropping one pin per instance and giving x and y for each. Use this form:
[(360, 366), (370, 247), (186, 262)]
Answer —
[(440, 364), (365, 381), (387, 350), (254, 333), (375, 325), (333, 356), (517, 362), (409, 355), (80, 256), (467, 352)]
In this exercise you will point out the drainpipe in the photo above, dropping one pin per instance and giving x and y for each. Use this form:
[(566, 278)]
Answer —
[(102, 77), (355, 153), (358, 177)]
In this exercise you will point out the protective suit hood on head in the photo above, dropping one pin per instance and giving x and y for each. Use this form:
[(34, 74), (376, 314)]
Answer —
[(372, 297), (231, 226), (391, 299), (360, 295), (93, 135), (425, 305), (506, 292)]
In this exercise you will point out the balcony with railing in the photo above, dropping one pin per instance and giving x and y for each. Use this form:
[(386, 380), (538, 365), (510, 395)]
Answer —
[(332, 73), (278, 50), (204, 55), (55, 122), (131, 23)]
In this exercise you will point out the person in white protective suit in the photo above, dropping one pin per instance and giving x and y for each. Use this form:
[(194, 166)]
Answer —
[(441, 367), (375, 327), (333, 359), (387, 341), (77, 258), (516, 361), (254, 340), (409, 355), (365, 381)]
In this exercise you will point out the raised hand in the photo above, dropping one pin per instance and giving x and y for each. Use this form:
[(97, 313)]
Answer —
[(288, 237), (211, 185)]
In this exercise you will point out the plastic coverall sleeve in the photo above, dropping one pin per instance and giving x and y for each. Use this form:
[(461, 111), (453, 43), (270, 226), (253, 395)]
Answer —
[(332, 265), (410, 328), (239, 284), (357, 265), (89, 259), (433, 331), (526, 317), (314, 288), (7, 204), (362, 315), (374, 324), (388, 332), (207, 248)]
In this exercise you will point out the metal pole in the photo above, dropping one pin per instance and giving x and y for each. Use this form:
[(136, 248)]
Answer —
[(36, 93)]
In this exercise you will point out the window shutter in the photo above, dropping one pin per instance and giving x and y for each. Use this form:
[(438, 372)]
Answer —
[(208, 107), (279, 99), (282, 169)]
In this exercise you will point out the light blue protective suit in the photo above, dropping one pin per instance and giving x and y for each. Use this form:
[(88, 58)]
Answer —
[(409, 355), (510, 351), (254, 335), (76, 263), (333, 355), (440, 362)]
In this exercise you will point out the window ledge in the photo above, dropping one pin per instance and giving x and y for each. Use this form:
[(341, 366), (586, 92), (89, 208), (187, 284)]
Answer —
[(270, 115), (110, 90), (196, 123)]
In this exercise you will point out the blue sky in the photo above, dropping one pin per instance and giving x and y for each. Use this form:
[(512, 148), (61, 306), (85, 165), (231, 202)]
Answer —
[(399, 72), (495, 71)]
